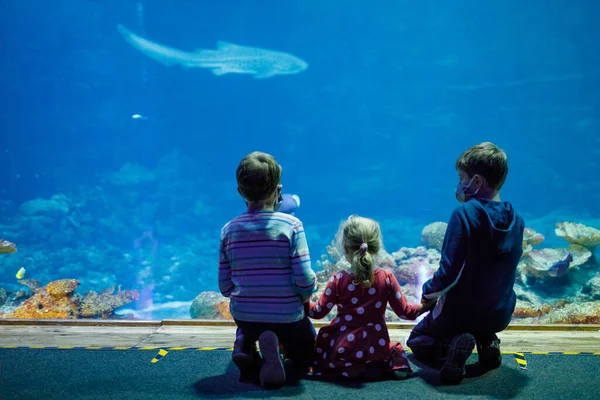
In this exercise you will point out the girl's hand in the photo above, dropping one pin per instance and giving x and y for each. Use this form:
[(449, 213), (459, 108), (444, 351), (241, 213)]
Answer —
[(428, 305)]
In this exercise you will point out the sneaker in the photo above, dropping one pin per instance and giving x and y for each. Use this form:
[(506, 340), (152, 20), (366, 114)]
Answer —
[(272, 373), (453, 370), (489, 353)]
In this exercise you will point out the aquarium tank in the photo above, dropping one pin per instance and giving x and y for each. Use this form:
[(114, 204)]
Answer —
[(123, 122)]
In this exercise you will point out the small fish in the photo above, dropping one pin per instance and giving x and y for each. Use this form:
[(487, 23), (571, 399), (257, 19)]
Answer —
[(139, 116), (21, 273), (289, 203), (560, 267)]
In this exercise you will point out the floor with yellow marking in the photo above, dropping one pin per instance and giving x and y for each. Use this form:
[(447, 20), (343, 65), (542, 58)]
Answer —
[(189, 361)]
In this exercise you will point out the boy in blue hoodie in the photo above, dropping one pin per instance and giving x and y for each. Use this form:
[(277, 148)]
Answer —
[(473, 286)]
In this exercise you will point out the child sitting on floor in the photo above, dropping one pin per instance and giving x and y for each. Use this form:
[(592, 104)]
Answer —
[(264, 268), (356, 343), (474, 284)]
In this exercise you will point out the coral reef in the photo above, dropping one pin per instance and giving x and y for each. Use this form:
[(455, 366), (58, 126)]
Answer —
[(591, 287), (528, 312), (7, 247), (561, 312), (210, 305), (57, 205), (432, 236), (537, 263), (573, 233), (57, 300), (576, 313), (103, 304), (89, 231), (536, 303), (531, 237)]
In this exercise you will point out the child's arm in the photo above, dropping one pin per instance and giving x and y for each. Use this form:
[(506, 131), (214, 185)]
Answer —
[(398, 301), (304, 277), (454, 251), (326, 302), (225, 284)]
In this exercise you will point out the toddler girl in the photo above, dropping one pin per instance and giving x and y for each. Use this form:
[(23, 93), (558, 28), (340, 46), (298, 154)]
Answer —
[(356, 343)]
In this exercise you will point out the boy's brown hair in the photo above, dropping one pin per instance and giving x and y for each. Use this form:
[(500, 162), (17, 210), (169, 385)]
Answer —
[(258, 176), (487, 160)]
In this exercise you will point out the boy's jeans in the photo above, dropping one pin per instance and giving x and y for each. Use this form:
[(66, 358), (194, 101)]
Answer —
[(297, 339)]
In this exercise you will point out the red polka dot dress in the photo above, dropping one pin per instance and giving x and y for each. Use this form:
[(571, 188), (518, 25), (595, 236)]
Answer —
[(358, 335)]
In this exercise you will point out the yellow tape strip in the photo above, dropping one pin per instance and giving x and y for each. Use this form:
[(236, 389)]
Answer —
[(520, 358), (161, 354)]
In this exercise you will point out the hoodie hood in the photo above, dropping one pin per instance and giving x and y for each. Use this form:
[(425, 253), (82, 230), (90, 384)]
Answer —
[(503, 224)]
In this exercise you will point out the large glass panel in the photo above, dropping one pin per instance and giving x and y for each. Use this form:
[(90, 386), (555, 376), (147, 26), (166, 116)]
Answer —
[(123, 123)]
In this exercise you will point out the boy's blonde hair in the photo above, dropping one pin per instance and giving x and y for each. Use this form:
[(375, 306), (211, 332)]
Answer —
[(258, 176), (356, 231), (487, 160)]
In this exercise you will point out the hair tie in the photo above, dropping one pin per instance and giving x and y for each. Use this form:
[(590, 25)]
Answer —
[(364, 247)]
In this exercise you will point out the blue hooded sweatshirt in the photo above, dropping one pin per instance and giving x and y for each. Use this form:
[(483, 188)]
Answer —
[(480, 253)]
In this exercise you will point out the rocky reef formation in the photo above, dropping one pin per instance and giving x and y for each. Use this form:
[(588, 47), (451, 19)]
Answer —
[(580, 234), (210, 305), (432, 236), (7, 247)]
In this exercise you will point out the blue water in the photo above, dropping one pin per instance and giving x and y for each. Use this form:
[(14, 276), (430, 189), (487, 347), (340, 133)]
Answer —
[(394, 92)]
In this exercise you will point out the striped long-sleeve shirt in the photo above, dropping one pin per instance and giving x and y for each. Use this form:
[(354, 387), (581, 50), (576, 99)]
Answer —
[(264, 267)]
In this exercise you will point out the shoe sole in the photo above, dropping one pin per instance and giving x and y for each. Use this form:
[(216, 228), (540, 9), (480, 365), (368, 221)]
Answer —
[(453, 371), (272, 372)]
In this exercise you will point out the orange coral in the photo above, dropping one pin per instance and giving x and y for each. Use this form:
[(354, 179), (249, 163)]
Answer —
[(57, 301), (528, 312), (223, 310), (525, 312), (44, 305), (62, 287)]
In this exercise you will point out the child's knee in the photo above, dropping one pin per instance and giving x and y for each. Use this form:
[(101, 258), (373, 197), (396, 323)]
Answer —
[(423, 347)]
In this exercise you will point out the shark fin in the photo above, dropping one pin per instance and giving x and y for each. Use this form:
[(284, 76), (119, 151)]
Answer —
[(265, 73)]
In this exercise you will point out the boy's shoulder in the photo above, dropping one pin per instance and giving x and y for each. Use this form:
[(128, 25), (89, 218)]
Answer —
[(233, 221), (290, 218)]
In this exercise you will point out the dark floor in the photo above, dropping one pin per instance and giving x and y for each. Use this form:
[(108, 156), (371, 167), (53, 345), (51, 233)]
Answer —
[(129, 374)]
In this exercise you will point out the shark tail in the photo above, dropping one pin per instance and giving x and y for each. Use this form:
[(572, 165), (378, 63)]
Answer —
[(163, 54)]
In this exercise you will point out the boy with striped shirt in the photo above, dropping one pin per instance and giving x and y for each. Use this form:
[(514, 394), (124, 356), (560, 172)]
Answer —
[(265, 270)]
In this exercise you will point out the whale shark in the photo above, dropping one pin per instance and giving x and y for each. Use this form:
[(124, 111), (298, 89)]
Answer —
[(228, 58)]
